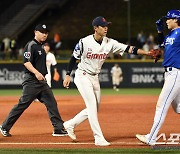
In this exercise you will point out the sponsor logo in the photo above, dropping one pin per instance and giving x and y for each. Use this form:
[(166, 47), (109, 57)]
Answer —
[(40, 53), (174, 15), (90, 55), (44, 26), (89, 49), (77, 47), (27, 55), (8, 77)]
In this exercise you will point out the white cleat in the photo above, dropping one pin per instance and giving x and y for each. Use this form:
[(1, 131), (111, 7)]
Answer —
[(70, 130), (144, 139), (102, 143)]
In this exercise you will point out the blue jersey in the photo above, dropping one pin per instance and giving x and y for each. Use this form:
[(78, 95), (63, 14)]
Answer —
[(172, 49)]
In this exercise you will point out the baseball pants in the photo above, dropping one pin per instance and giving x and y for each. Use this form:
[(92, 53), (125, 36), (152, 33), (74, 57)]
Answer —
[(170, 94), (89, 88), (32, 89)]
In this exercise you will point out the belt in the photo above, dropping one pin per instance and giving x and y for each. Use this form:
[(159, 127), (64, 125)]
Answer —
[(168, 69), (93, 74)]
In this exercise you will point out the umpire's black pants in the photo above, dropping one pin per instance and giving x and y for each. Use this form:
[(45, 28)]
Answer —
[(32, 89)]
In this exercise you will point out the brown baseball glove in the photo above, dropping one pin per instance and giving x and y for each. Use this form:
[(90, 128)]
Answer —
[(155, 54), (56, 76)]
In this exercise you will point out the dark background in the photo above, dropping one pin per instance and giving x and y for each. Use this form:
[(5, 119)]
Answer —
[(73, 19)]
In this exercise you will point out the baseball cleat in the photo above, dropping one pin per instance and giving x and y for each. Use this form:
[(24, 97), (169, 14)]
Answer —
[(144, 139), (60, 133), (70, 130), (102, 143), (4, 132)]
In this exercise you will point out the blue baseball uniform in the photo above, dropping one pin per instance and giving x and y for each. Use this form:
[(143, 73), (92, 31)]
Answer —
[(170, 94), (172, 49)]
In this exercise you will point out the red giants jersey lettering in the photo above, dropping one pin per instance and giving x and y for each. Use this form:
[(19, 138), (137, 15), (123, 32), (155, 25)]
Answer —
[(90, 55)]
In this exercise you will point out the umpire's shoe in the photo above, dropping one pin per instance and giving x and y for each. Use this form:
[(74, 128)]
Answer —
[(4, 132), (61, 132)]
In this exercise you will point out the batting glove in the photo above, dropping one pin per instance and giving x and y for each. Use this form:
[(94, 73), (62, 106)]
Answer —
[(160, 25)]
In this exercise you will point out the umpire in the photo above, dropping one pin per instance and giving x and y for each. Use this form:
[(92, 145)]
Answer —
[(35, 85)]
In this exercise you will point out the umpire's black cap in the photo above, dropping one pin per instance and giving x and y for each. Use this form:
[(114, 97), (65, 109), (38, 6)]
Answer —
[(100, 21), (42, 28)]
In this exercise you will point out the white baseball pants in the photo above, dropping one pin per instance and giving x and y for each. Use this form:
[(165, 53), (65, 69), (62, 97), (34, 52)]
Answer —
[(89, 88), (170, 94)]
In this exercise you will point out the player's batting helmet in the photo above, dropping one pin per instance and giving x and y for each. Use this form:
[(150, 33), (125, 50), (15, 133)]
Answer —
[(173, 14)]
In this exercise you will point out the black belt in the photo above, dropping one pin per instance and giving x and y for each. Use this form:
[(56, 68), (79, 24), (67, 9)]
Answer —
[(167, 69), (93, 74)]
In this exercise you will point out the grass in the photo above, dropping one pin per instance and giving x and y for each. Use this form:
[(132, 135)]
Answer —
[(123, 91), (93, 151)]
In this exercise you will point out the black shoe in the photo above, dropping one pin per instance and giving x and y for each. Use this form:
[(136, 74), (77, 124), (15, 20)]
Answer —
[(60, 133), (4, 132)]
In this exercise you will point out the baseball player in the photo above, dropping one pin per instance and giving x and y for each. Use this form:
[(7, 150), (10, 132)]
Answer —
[(35, 85), (92, 52), (170, 93), (50, 62), (117, 77)]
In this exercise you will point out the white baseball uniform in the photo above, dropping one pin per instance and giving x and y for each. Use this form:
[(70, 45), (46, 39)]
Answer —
[(50, 60), (92, 56)]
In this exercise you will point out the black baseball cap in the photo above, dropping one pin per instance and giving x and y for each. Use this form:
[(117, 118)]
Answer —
[(100, 21), (42, 28)]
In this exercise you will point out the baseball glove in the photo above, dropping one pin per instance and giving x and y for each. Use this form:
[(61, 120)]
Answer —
[(56, 76), (155, 54)]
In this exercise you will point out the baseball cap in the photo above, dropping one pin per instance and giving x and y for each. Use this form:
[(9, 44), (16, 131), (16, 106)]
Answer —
[(100, 21), (173, 14), (41, 28)]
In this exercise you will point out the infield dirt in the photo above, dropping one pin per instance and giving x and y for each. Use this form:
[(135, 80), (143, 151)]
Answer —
[(120, 117)]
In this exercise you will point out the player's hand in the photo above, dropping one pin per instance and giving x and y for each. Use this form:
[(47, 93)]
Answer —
[(56, 76), (67, 81), (39, 76), (160, 25)]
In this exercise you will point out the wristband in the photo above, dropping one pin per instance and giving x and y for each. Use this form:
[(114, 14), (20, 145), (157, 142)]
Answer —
[(127, 49), (68, 73), (134, 50)]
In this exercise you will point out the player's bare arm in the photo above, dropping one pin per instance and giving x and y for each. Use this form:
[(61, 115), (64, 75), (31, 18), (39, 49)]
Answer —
[(30, 67), (71, 65), (154, 53)]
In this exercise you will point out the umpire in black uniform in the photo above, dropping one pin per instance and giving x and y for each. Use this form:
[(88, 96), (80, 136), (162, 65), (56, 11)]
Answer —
[(35, 85)]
